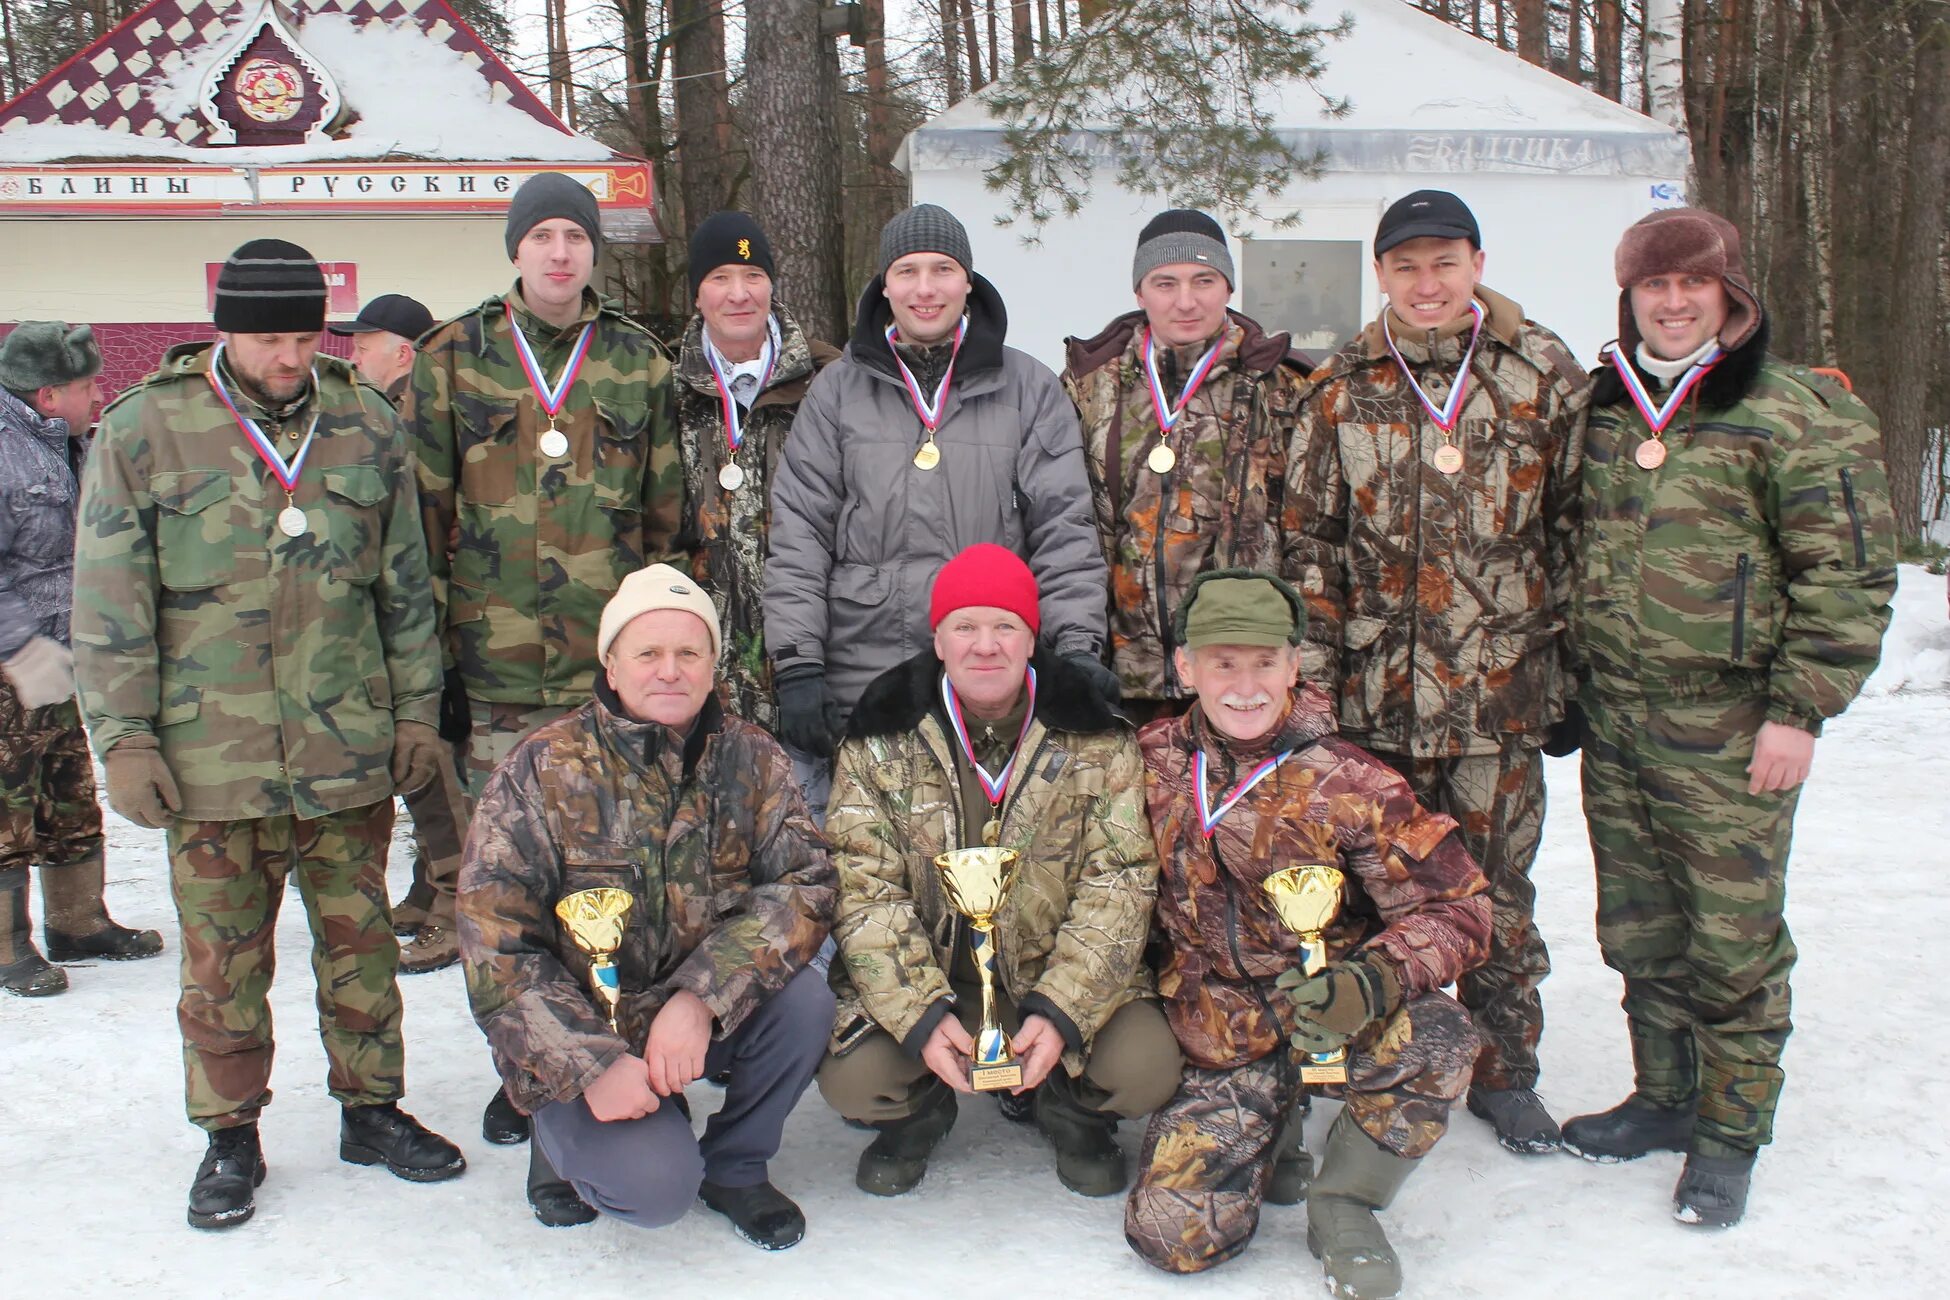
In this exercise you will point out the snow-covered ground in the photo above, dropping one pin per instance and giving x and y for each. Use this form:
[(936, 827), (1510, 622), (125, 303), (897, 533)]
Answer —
[(95, 1157)]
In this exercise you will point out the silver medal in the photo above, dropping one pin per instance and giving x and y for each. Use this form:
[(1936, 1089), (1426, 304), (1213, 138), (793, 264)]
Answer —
[(291, 521), (731, 478), (554, 442)]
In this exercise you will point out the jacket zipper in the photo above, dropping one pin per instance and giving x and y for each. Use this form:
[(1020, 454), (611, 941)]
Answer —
[(1740, 567), (1158, 583), (1239, 960), (1854, 519)]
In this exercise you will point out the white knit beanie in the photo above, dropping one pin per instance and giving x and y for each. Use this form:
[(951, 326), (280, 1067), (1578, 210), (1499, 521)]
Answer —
[(654, 588)]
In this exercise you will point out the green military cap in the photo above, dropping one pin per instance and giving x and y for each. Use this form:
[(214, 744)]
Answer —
[(1240, 607)]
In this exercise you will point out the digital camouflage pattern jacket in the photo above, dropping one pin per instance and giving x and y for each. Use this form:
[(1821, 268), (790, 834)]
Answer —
[(1437, 604), (526, 548), (725, 533), (731, 890), (1222, 505), (1760, 556), (1413, 896), (268, 669), (1071, 933)]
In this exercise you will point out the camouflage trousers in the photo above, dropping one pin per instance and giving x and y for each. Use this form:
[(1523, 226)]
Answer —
[(1692, 883), (1203, 1166), (48, 813), (495, 730), (228, 881), (1499, 801), (440, 811)]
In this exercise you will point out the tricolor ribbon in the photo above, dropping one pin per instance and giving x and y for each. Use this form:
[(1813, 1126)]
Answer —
[(930, 412), (997, 785), (1168, 415), (1658, 417), (1209, 816), (286, 473), (1444, 415), (734, 435), (551, 396)]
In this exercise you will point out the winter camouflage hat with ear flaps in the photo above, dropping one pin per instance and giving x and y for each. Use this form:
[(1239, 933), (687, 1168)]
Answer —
[(1686, 241), (1239, 607)]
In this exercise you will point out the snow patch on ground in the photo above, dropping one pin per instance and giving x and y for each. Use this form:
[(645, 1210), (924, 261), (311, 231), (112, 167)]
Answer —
[(1916, 651)]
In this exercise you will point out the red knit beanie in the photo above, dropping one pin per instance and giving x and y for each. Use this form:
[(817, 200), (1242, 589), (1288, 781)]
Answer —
[(985, 574)]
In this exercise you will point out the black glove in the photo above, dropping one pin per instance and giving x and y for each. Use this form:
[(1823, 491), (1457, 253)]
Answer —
[(455, 725), (809, 718), (1103, 682), (1565, 737)]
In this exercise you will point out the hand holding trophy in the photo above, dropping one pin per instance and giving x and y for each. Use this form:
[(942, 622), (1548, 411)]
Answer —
[(1307, 898), (977, 880), (594, 919)]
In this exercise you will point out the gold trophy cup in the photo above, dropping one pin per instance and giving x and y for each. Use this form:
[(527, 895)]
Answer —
[(977, 881), (594, 918), (1307, 899)]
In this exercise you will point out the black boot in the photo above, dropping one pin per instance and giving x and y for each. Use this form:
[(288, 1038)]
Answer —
[(1712, 1190), (555, 1203), (761, 1213), (232, 1169), (898, 1159), (1633, 1128), (1017, 1107), (1293, 1168), (23, 971), (77, 925), (1088, 1160), (1518, 1115), (501, 1123), (387, 1135)]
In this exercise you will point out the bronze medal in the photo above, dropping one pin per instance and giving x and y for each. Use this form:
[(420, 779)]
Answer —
[(1449, 458), (1161, 459), (1651, 454)]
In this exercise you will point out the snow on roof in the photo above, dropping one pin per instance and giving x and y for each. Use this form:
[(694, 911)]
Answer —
[(421, 83)]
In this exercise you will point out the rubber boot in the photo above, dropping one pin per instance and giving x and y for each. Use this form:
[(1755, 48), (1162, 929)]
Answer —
[(554, 1201), (1712, 1190), (897, 1160), (23, 971), (1293, 1168), (1088, 1160), (1356, 1178), (78, 927)]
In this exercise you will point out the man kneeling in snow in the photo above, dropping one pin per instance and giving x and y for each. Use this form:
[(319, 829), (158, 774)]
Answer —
[(652, 790)]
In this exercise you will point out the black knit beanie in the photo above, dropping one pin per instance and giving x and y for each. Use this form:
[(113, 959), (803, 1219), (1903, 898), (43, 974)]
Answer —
[(728, 239), (269, 286), (551, 194)]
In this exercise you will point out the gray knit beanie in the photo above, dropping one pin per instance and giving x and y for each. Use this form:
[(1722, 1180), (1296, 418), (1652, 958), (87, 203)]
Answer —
[(925, 228), (47, 354), (1181, 235), (546, 195)]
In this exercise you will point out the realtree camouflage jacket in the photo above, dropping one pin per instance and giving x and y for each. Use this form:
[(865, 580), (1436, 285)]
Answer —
[(1071, 933), (1222, 504), (1413, 896), (730, 887), (1761, 556), (1437, 604), (725, 532), (269, 669), (527, 548)]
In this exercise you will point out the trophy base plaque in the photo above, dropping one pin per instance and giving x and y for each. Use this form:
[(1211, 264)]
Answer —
[(993, 1078), (1312, 1071)]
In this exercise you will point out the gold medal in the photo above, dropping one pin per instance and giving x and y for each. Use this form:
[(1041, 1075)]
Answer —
[(1651, 454), (1161, 459), (991, 831), (928, 456), (731, 478), (1449, 458), (554, 442)]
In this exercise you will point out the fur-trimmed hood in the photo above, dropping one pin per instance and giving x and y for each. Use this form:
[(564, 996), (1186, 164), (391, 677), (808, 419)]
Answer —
[(1726, 385), (897, 700)]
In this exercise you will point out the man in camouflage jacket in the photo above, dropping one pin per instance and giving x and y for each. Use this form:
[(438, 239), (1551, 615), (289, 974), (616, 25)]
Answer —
[(257, 667), (533, 519), (1413, 917), (1217, 498), (1437, 567), (1074, 993), (651, 789), (742, 334), (1739, 559)]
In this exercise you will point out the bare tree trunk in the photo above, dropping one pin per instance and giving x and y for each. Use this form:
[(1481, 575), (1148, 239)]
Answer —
[(1063, 19), (889, 193), (995, 44), (951, 48), (706, 168), (1089, 11), (1608, 55), (792, 105), (12, 84), (1574, 41), (1665, 62), (1533, 32), (1026, 30), (972, 42)]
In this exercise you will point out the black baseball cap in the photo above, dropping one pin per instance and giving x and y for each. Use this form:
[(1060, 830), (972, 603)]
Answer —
[(1426, 214), (393, 312)]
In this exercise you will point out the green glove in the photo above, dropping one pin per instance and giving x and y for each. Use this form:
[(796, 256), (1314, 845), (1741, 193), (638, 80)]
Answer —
[(1341, 1001)]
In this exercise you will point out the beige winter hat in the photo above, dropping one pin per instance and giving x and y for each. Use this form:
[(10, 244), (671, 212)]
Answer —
[(654, 588)]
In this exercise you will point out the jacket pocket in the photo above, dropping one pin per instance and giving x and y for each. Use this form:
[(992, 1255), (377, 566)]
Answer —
[(196, 546), (1741, 573), (857, 592), (355, 525), (1363, 686), (622, 451), (185, 702)]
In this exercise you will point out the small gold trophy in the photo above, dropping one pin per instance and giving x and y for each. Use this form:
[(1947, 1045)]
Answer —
[(594, 918), (977, 881), (1307, 898)]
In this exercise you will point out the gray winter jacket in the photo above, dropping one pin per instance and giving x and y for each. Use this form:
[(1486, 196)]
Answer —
[(38, 495), (858, 532)]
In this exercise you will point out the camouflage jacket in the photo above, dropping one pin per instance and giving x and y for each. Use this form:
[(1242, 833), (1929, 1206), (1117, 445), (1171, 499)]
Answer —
[(725, 532), (1413, 896), (1760, 556), (526, 549), (1070, 935), (731, 889), (38, 493), (269, 669), (1221, 505), (1437, 604)]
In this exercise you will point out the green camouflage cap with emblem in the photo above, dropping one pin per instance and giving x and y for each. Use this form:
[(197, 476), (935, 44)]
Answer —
[(1240, 607)]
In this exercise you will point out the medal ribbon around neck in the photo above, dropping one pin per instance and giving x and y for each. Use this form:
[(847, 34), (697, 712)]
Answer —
[(1658, 417), (550, 396), (1209, 816), (997, 785), (930, 412), (1444, 415), (1168, 415), (734, 436), (286, 472)]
